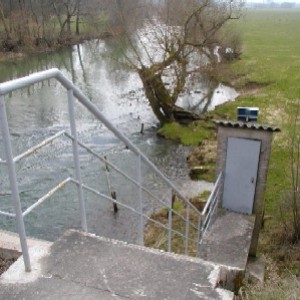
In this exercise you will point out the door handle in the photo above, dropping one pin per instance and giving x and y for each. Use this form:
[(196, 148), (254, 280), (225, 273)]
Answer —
[(252, 179)]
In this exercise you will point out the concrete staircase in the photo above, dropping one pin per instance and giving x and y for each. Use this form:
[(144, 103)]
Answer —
[(84, 266)]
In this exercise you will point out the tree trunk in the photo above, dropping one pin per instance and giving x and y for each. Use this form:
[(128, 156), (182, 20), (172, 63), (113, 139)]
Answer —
[(69, 24), (158, 96), (58, 17), (5, 25), (161, 101), (78, 16)]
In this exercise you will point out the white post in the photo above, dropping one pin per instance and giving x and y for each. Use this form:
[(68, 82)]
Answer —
[(14, 184), (76, 160), (170, 220), (140, 198), (187, 228)]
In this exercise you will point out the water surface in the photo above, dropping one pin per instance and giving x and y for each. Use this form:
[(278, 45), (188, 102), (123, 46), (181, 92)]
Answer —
[(39, 111)]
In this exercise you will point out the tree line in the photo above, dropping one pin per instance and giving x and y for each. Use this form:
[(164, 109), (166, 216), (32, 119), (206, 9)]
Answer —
[(27, 24), (169, 43)]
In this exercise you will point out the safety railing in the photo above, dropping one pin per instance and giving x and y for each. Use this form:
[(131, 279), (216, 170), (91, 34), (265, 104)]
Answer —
[(198, 223), (209, 209)]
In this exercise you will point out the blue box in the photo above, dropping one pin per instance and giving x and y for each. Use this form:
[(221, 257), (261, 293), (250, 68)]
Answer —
[(247, 114)]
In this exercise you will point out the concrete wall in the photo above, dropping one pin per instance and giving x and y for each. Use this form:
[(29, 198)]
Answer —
[(266, 139)]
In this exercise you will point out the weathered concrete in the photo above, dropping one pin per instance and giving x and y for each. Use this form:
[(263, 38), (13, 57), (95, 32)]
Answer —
[(81, 266), (228, 239), (10, 244), (227, 243), (256, 267)]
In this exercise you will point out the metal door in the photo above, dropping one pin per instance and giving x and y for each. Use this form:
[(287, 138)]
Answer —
[(241, 174)]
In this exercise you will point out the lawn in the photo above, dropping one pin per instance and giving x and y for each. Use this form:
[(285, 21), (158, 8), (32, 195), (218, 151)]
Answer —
[(271, 59), (267, 75), (270, 64)]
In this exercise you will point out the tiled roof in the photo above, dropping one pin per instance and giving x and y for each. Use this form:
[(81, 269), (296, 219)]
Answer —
[(247, 125)]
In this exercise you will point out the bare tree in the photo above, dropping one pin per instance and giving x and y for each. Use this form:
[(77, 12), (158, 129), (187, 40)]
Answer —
[(178, 39), (290, 205), (65, 10)]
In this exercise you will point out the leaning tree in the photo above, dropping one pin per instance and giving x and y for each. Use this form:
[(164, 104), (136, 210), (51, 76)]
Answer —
[(177, 39)]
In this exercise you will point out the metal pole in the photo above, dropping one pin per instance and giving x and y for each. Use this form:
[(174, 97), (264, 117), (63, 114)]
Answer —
[(170, 216), (76, 159), (140, 198), (14, 184), (187, 228), (199, 234)]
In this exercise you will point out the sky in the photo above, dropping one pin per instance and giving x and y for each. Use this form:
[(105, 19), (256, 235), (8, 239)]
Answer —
[(276, 1)]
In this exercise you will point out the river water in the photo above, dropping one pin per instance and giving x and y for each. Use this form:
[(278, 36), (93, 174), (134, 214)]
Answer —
[(40, 111)]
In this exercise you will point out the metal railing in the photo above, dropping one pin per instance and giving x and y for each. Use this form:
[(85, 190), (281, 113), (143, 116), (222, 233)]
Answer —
[(203, 218), (209, 209)]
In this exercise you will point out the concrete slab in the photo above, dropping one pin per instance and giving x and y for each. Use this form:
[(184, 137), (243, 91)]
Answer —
[(82, 266), (10, 244), (256, 267), (227, 241), (16, 272)]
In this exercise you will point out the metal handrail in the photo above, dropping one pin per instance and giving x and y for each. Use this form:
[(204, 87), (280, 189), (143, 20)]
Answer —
[(211, 198), (64, 182), (132, 180), (46, 196), (210, 207), (73, 91), (10, 86), (39, 146)]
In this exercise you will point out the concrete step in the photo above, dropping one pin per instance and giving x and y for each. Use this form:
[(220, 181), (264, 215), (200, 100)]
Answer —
[(83, 266), (10, 244), (228, 239)]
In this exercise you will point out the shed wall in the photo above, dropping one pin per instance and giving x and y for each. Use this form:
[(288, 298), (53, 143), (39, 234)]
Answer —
[(266, 140)]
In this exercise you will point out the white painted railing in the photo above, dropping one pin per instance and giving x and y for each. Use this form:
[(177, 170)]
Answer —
[(73, 92)]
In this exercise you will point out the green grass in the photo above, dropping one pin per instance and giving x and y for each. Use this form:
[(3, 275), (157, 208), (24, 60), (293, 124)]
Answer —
[(271, 49), (191, 135), (270, 63), (271, 57), (267, 76)]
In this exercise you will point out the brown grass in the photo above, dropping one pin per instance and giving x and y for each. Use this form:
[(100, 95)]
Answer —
[(157, 237)]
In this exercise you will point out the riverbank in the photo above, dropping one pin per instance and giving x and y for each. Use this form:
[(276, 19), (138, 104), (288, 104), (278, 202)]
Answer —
[(268, 77), (22, 52)]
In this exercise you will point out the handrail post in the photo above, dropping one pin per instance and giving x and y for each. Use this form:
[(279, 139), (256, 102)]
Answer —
[(76, 159), (170, 221), (199, 238), (187, 228), (140, 198), (14, 184)]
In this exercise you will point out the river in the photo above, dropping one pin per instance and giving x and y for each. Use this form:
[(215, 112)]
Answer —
[(41, 110)]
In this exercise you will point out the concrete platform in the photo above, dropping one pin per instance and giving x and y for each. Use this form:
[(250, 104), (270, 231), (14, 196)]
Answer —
[(82, 266), (227, 241), (10, 244)]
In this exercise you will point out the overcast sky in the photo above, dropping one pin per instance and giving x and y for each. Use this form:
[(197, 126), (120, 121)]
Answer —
[(276, 1)]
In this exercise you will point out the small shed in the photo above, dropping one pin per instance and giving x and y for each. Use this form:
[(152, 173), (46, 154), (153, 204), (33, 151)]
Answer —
[(243, 155)]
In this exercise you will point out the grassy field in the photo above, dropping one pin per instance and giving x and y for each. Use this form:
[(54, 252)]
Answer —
[(270, 66), (268, 76)]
